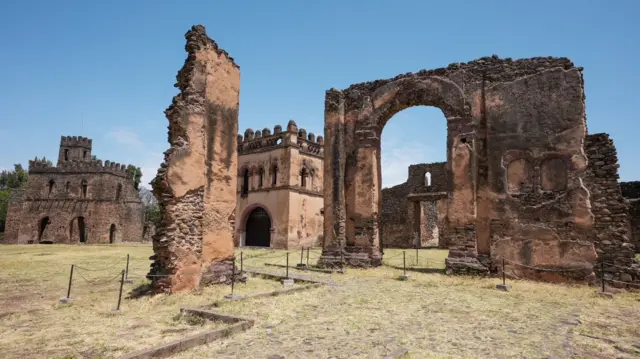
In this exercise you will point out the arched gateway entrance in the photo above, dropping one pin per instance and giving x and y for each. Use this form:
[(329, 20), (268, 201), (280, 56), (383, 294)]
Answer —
[(492, 106), (258, 228)]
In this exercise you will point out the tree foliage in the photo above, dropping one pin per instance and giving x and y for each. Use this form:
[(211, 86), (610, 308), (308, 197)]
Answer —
[(10, 180), (137, 175)]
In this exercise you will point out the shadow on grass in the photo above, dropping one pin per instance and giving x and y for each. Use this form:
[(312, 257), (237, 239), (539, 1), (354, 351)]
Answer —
[(418, 270), (140, 291)]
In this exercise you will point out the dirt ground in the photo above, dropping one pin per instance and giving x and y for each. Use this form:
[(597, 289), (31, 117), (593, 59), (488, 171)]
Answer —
[(367, 314)]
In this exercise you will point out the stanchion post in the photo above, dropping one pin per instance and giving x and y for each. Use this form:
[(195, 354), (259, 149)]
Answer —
[(301, 255), (68, 297), (126, 272), (233, 276), (602, 275), (308, 256), (404, 263), (120, 294), (241, 264), (503, 286), (287, 272), (416, 257), (503, 276)]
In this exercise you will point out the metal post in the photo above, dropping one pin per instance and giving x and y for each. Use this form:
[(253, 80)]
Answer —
[(503, 278), (287, 265), (70, 279), (233, 276), (126, 271), (241, 264), (404, 262), (602, 274), (120, 295), (416, 257), (308, 256), (301, 255)]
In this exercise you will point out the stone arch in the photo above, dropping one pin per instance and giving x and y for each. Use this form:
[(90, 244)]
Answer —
[(43, 223), (83, 188), (244, 176), (427, 178), (112, 233), (78, 229), (554, 173), (354, 120), (273, 170), (246, 216), (260, 176), (51, 186)]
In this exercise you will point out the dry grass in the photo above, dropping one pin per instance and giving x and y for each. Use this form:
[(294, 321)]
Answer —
[(369, 315), (36, 325)]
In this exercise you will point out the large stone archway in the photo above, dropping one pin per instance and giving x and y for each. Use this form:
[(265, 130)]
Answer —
[(493, 107)]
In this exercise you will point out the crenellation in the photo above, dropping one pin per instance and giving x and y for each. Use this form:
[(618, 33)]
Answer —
[(264, 140)]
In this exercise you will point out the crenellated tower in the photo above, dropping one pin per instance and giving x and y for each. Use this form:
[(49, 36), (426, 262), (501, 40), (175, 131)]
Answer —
[(74, 148)]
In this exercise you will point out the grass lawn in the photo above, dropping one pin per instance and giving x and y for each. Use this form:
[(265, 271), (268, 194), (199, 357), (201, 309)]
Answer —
[(369, 314)]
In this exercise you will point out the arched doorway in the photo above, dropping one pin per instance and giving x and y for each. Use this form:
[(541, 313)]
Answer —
[(258, 228), (77, 229), (41, 227), (112, 233)]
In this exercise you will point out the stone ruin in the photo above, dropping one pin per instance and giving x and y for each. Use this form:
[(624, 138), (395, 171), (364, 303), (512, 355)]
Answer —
[(515, 183), (196, 184)]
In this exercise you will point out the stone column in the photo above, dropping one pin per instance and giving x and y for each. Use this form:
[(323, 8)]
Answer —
[(334, 169)]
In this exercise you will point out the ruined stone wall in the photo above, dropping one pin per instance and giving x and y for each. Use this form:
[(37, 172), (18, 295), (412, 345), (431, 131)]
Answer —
[(631, 192), (438, 174), (611, 234), (196, 184), (393, 217), (103, 195), (534, 211)]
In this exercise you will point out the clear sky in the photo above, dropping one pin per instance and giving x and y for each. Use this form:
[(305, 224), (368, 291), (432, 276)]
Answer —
[(105, 70)]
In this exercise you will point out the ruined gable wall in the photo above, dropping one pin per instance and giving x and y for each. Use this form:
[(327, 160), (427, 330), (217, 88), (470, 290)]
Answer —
[(631, 192), (393, 217), (196, 184)]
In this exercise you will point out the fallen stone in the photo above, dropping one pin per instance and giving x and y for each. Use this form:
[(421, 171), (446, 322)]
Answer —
[(503, 287)]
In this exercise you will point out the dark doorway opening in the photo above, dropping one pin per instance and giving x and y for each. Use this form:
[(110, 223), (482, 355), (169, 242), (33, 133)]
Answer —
[(112, 233), (258, 229), (43, 225), (82, 230)]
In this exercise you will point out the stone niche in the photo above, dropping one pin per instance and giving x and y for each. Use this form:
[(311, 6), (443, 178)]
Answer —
[(196, 183), (514, 168)]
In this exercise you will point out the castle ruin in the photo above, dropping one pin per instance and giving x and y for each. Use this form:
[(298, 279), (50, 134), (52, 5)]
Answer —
[(80, 200)]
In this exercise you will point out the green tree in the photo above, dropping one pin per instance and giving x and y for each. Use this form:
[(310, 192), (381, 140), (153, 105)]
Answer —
[(151, 207), (137, 175), (10, 180)]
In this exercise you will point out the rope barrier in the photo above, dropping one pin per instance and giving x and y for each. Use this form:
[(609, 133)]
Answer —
[(97, 270)]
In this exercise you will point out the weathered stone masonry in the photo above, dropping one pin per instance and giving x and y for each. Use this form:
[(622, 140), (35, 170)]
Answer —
[(631, 192), (80, 200), (196, 183), (515, 163)]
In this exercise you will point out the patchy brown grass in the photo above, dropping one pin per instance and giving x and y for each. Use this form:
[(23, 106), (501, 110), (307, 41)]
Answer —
[(36, 325), (372, 314), (368, 315)]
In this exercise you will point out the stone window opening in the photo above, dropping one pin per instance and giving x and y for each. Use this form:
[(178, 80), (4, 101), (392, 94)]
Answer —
[(84, 188), (84, 155), (66, 154), (52, 185), (118, 191), (278, 141), (303, 177), (244, 191), (66, 187), (112, 233), (44, 222), (274, 179), (260, 177), (427, 179)]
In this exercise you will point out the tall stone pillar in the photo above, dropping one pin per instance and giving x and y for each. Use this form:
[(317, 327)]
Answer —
[(196, 183), (334, 171)]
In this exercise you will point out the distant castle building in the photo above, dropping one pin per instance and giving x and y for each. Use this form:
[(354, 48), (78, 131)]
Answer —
[(80, 200), (280, 188)]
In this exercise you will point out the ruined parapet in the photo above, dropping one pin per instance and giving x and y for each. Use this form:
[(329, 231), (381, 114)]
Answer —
[(610, 210), (80, 166), (194, 185), (76, 141), (264, 140)]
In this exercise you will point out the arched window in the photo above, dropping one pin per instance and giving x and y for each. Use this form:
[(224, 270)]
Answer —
[(66, 187), (245, 183), (427, 179), (52, 185), (274, 174), (303, 177), (84, 188), (260, 177), (118, 191), (84, 155), (66, 154)]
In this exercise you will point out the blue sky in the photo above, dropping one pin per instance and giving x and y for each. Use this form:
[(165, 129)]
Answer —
[(106, 69)]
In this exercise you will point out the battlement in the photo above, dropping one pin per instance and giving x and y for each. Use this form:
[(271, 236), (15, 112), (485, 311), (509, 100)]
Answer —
[(75, 141), (42, 166), (264, 139)]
